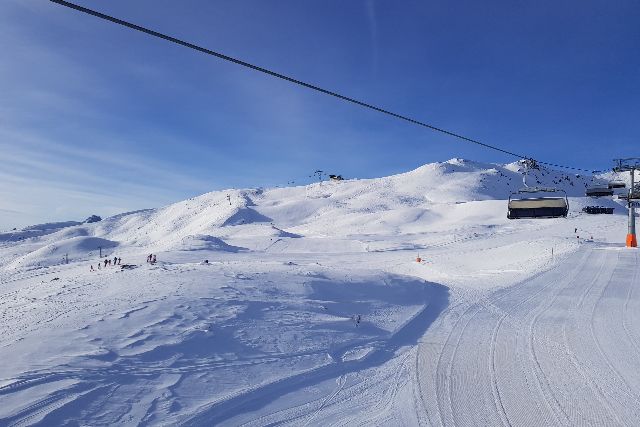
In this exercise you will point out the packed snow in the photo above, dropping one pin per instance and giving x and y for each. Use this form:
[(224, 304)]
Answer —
[(403, 300)]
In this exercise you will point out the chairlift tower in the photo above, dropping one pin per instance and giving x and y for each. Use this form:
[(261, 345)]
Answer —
[(630, 165)]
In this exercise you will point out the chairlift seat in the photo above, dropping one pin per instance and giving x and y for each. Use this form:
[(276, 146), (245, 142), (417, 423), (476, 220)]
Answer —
[(527, 203), (599, 192), (596, 210)]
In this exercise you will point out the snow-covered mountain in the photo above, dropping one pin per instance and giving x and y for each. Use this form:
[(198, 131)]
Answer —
[(302, 287), (430, 197)]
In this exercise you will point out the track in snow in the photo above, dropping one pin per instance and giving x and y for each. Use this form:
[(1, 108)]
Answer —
[(561, 348)]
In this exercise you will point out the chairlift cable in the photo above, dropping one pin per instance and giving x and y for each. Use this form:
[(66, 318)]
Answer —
[(296, 81)]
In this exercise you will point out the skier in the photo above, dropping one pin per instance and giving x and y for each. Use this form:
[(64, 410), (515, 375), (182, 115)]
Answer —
[(99, 265), (575, 230), (115, 260), (119, 261), (105, 263), (91, 268), (153, 261)]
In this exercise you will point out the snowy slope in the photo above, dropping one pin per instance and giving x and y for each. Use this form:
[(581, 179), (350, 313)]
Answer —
[(311, 300)]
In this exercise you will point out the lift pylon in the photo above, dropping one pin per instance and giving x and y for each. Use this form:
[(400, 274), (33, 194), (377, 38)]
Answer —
[(630, 165)]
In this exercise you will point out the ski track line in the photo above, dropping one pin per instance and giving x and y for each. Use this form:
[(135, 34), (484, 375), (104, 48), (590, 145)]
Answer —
[(417, 394), (282, 416), (607, 360), (508, 293), (389, 401), (449, 375), (598, 394), (614, 280), (449, 312), (223, 410), (342, 379), (635, 283), (340, 396), (455, 416), (504, 314), (46, 405), (595, 340), (567, 348), (350, 398), (504, 418), (26, 383), (529, 375), (478, 307), (544, 387)]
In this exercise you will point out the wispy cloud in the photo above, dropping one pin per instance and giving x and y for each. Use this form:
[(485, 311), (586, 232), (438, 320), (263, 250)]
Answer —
[(61, 152)]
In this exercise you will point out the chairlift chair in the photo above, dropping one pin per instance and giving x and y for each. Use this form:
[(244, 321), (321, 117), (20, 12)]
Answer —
[(598, 192), (617, 184), (529, 203), (596, 210)]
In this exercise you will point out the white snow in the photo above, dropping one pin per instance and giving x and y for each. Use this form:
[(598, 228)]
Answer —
[(312, 309)]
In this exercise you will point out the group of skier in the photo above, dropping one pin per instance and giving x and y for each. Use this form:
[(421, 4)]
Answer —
[(117, 261), (107, 263)]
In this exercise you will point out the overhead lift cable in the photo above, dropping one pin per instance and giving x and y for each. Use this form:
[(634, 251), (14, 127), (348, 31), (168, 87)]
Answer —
[(293, 80)]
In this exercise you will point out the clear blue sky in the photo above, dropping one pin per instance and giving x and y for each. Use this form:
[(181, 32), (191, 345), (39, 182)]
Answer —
[(95, 118)]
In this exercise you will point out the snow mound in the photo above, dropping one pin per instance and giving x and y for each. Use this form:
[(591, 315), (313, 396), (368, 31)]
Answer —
[(37, 230), (68, 233), (51, 226), (75, 248), (201, 242), (281, 233), (245, 216)]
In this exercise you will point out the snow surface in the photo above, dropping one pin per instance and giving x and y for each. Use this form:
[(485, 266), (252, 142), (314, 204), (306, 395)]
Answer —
[(312, 309)]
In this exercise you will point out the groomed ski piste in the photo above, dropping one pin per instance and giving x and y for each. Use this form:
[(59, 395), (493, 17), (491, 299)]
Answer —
[(313, 309)]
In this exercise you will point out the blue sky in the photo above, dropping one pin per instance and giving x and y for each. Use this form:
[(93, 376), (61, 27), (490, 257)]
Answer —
[(95, 118)]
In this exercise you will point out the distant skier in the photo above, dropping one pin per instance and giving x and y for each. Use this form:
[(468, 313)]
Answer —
[(149, 258), (153, 260), (105, 263), (91, 268), (575, 230), (99, 265), (115, 260), (119, 261)]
